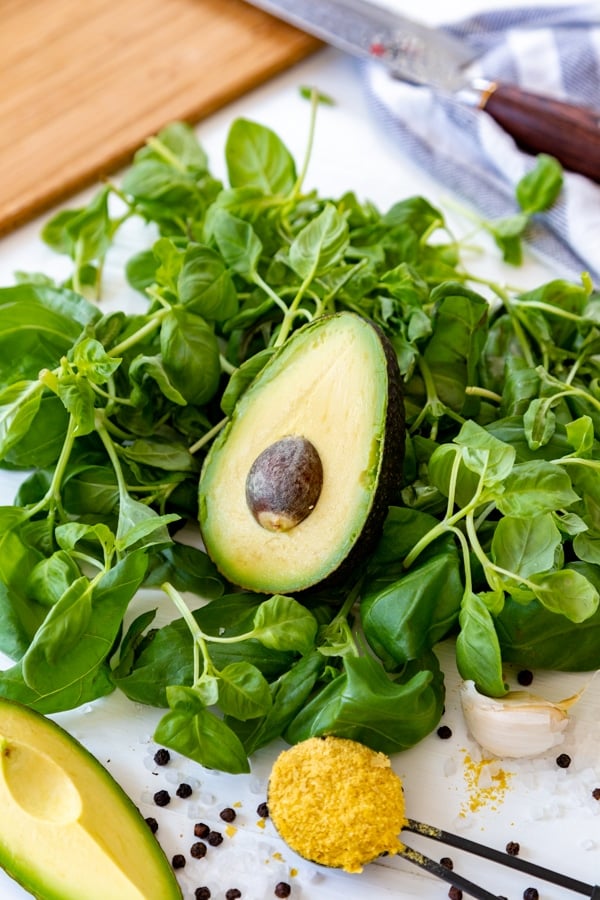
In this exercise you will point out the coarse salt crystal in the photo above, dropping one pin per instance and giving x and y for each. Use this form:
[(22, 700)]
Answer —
[(257, 786), (450, 766)]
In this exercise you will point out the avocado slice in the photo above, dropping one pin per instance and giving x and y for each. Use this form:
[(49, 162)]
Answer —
[(67, 830), (294, 491)]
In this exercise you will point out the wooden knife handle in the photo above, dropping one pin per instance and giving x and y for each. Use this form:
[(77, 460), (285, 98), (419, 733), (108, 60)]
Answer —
[(542, 124)]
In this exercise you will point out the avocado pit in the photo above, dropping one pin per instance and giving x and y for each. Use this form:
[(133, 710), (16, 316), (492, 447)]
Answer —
[(284, 483)]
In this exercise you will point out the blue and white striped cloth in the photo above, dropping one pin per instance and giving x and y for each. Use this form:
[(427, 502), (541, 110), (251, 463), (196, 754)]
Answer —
[(551, 50)]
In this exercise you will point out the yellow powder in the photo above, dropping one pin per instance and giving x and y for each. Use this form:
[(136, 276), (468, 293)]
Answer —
[(486, 782), (230, 830), (336, 802)]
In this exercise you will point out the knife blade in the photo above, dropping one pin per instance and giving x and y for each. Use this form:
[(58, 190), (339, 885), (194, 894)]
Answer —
[(422, 55)]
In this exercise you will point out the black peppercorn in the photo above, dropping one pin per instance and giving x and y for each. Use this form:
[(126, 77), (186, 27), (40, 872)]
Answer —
[(162, 757), (152, 824), (446, 862), (233, 894), (455, 893), (201, 830), (530, 894), (228, 814), (162, 798), (282, 889), (525, 677), (513, 848), (215, 838), (178, 861), (262, 810), (184, 790), (202, 893), (444, 732), (198, 850), (596, 793), (564, 760)]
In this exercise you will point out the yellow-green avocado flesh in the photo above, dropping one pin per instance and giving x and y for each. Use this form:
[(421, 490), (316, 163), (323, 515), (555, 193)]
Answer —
[(336, 384), (67, 830)]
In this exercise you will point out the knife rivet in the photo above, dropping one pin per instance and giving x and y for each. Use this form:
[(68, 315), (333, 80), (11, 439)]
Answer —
[(377, 49)]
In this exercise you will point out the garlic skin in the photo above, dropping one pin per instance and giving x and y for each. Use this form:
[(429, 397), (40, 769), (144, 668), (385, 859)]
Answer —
[(517, 725)]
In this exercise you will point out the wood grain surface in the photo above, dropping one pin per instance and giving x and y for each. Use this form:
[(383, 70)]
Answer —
[(84, 82)]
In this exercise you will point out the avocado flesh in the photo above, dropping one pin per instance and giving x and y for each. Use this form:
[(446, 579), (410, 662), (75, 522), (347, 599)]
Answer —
[(67, 830), (336, 384)]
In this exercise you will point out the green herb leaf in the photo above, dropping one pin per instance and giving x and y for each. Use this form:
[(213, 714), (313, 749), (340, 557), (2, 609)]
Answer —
[(200, 735), (243, 691), (190, 355), (238, 243), (478, 655), (204, 285), (567, 592), (257, 157), (540, 187), (19, 404), (365, 704), (320, 245), (284, 624), (536, 487)]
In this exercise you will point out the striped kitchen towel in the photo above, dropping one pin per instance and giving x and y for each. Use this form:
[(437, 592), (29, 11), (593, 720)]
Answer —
[(549, 50)]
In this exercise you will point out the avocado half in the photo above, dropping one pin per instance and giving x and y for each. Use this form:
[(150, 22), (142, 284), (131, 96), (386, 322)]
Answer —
[(295, 489), (67, 830)]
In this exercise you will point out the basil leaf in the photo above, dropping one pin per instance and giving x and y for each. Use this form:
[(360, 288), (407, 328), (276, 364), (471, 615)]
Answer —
[(203, 737), (205, 286), (539, 188), (526, 545), (282, 623), (38, 325), (567, 592), (364, 704), (319, 245), (257, 157), (190, 355), (478, 655), (243, 691), (19, 405), (536, 487)]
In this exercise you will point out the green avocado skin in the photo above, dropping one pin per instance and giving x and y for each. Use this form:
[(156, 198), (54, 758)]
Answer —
[(387, 482), (39, 759)]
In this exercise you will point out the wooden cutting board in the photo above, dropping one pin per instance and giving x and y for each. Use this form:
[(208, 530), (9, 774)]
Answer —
[(84, 82)]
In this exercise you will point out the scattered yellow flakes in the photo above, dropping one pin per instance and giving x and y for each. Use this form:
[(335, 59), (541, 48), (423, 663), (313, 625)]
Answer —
[(230, 830), (277, 855), (262, 823), (487, 783), (293, 873), (238, 804)]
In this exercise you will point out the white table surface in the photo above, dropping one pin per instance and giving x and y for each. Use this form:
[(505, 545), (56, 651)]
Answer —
[(548, 810)]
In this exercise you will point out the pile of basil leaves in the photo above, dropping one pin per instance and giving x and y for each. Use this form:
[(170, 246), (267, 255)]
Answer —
[(496, 542)]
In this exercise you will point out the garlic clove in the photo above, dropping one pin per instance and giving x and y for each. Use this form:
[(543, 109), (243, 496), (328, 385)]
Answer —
[(519, 724)]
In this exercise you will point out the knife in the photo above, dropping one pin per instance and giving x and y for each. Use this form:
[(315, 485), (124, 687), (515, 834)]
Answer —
[(419, 54)]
